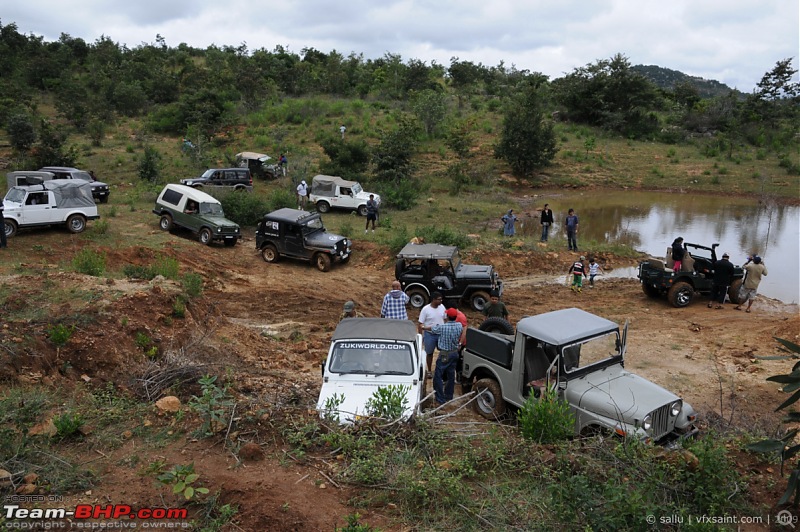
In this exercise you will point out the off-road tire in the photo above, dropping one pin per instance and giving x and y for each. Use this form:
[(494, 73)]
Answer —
[(478, 300), (650, 291), (165, 222), (466, 386), (270, 253), (76, 223), (205, 236), (496, 325), (418, 298), (323, 207), (10, 227), (322, 262), (489, 403), (230, 243), (734, 290), (362, 210), (680, 294), (104, 199)]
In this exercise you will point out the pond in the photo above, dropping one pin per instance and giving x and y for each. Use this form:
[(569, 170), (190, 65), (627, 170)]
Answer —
[(650, 221)]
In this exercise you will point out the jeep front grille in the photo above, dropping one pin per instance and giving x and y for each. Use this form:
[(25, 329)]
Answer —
[(661, 422), (228, 230)]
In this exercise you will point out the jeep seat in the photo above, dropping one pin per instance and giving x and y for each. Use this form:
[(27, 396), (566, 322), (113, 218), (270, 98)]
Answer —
[(657, 264)]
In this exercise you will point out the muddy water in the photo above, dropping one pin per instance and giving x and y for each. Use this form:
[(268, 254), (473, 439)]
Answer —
[(650, 221)]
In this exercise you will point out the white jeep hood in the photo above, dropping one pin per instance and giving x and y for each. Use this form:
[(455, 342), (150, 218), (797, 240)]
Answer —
[(617, 394), (358, 389)]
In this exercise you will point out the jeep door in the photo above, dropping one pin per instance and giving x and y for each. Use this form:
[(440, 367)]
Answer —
[(38, 209), (293, 238)]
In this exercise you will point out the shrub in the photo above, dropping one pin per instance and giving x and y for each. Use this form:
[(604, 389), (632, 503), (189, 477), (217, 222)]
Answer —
[(444, 235), (388, 402), (244, 209), (167, 267), (60, 334), (192, 284), (89, 262), (401, 196), (68, 424), (150, 165), (100, 227), (547, 419), (211, 405)]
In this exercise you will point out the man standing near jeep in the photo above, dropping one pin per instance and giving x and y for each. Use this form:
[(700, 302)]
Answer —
[(430, 315), (4, 243), (449, 342), (394, 303), (372, 212)]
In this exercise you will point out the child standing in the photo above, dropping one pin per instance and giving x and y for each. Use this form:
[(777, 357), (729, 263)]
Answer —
[(594, 270), (578, 271), (495, 309)]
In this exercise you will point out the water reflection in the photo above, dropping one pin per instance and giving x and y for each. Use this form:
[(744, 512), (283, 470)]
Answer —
[(650, 221)]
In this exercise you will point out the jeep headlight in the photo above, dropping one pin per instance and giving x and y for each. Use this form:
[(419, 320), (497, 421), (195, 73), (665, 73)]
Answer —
[(675, 408), (219, 229), (647, 422)]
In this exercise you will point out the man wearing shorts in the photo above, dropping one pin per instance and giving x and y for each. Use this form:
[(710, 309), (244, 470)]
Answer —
[(372, 212), (754, 270)]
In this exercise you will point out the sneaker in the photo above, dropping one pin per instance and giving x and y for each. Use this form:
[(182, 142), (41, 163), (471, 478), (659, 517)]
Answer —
[(579, 290), (365, 231), (373, 230)]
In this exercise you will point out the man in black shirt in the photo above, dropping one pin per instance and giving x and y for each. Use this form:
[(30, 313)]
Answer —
[(723, 276)]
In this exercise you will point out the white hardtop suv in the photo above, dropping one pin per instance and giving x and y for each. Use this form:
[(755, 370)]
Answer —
[(367, 354), (328, 192)]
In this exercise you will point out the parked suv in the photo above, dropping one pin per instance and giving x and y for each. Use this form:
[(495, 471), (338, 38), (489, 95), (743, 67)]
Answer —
[(235, 178), (426, 268), (53, 202), (100, 190), (300, 235), (182, 206)]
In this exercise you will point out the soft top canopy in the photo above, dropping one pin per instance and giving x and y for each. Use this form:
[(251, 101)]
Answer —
[(375, 329), (253, 155), (427, 251), (565, 326), (67, 192), (325, 185), (290, 215)]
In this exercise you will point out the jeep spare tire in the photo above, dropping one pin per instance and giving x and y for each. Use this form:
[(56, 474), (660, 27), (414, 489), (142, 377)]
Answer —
[(489, 402), (479, 300), (323, 206), (323, 262), (76, 223), (270, 253), (417, 296), (496, 325), (680, 295)]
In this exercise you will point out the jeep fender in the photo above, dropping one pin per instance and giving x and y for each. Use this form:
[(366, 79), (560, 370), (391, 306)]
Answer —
[(586, 420), (482, 371), (416, 285)]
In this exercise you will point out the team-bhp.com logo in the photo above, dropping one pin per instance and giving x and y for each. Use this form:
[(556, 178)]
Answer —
[(94, 511)]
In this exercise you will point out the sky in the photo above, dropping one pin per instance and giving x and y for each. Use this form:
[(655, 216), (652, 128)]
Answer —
[(732, 41)]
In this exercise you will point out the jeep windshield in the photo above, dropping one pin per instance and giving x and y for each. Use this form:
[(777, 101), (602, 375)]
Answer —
[(208, 173), (214, 209), (372, 357), (17, 195), (598, 350), (312, 225), (357, 189)]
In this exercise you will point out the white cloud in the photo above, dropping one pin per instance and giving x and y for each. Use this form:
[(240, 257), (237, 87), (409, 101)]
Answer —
[(732, 41)]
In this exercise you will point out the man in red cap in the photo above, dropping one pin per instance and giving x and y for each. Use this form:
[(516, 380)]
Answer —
[(449, 341)]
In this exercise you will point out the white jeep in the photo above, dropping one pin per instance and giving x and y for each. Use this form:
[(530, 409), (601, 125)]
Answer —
[(328, 192), (367, 354), (56, 202)]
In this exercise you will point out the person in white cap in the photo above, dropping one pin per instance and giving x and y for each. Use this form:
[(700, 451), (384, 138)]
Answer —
[(302, 195)]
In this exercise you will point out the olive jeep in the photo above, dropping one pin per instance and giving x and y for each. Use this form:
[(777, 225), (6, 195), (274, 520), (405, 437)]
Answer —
[(188, 208), (580, 357), (696, 276), (426, 268), (367, 354), (54, 202), (300, 235)]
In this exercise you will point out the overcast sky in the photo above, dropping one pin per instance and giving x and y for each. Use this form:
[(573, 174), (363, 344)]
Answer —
[(731, 41)]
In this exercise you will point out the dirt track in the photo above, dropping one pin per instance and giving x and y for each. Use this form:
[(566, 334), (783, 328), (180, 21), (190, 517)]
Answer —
[(271, 324)]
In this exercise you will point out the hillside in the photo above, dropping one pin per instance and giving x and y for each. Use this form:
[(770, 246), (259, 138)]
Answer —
[(667, 79)]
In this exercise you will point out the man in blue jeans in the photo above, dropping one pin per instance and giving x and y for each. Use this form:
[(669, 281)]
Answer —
[(449, 341), (571, 226)]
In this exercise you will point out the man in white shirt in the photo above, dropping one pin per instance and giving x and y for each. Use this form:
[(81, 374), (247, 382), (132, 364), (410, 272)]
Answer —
[(302, 195), (430, 315)]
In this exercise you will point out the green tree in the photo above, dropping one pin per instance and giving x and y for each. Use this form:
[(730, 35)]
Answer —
[(51, 149), (150, 164), (349, 159), (21, 132), (430, 106), (394, 166), (527, 141)]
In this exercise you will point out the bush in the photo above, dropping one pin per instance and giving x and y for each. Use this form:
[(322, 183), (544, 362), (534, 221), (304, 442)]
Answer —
[(60, 334), (68, 424), (89, 262), (388, 402), (547, 419), (167, 267), (401, 196), (443, 235), (244, 209), (192, 284), (150, 165)]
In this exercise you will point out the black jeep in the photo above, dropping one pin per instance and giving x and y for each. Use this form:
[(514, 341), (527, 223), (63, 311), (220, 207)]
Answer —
[(426, 268), (300, 235), (696, 276)]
